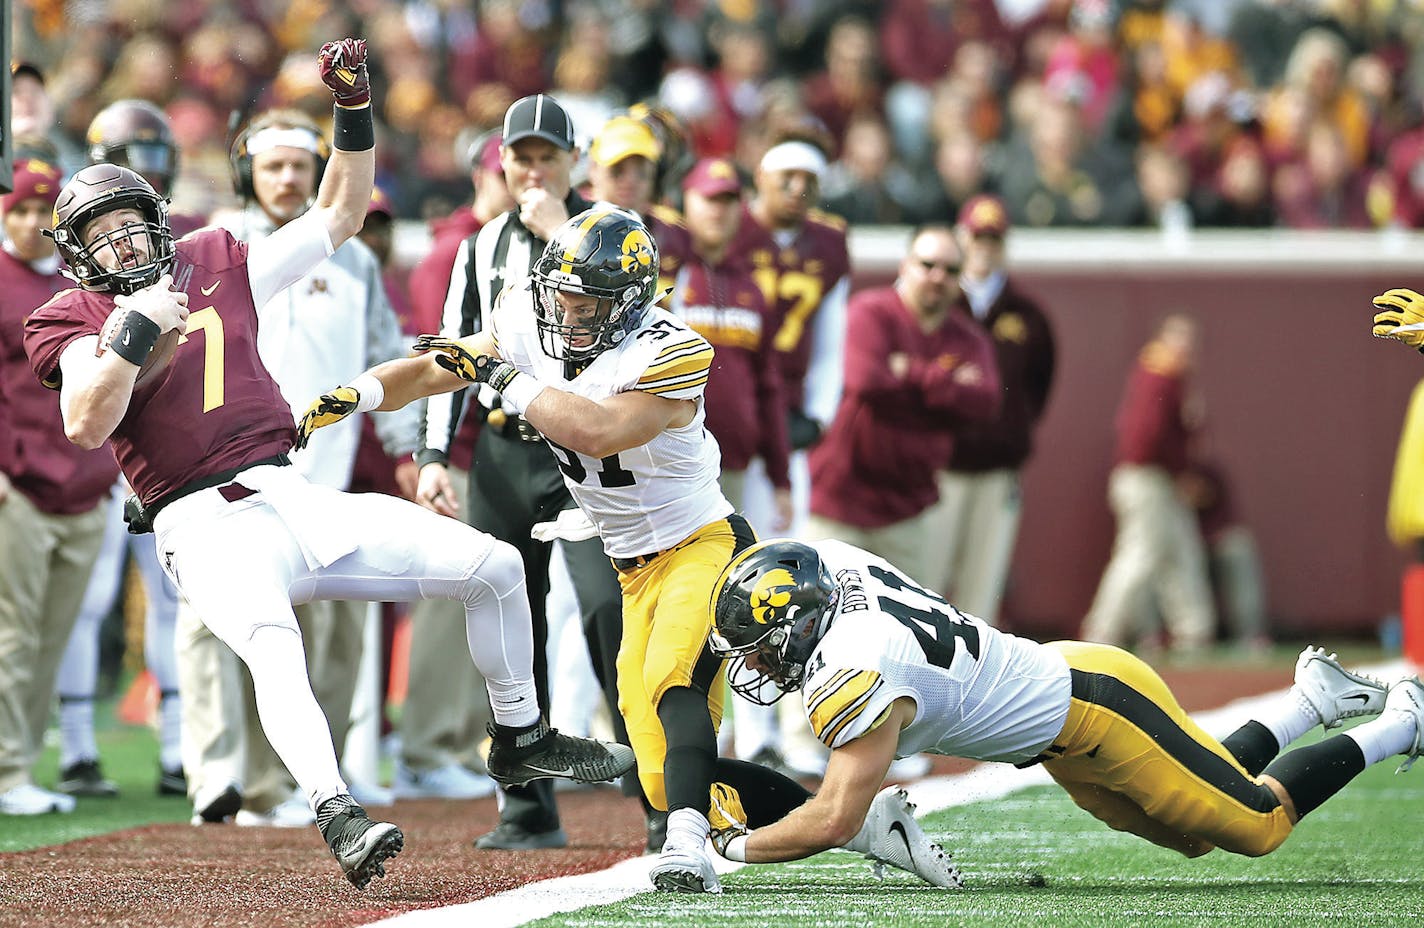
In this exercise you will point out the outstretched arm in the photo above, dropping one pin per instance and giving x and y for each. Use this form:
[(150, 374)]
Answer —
[(833, 816), (345, 189)]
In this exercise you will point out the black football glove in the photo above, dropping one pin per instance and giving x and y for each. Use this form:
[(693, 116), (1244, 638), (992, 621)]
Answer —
[(466, 364)]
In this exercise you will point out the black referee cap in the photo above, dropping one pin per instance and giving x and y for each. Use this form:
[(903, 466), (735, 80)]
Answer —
[(538, 116)]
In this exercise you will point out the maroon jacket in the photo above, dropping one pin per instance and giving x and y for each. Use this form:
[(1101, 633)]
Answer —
[(56, 475), (724, 305), (1151, 427), (189, 422), (428, 284), (1024, 350), (876, 464)]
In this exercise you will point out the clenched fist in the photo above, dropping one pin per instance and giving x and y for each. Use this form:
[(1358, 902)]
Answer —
[(1398, 311), (343, 69), (329, 409)]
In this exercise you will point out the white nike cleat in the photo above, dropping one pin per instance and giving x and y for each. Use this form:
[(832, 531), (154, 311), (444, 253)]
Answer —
[(1333, 692), (685, 869), (1407, 696), (891, 836)]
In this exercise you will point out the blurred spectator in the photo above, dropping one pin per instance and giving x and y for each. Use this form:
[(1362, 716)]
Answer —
[(1083, 65), (1265, 32), (915, 370), (866, 185), (1233, 561), (581, 79), (1323, 191), (961, 171), (1314, 90), (1193, 50), (1147, 106), (1158, 550), (1162, 177), (977, 516), (32, 114), (738, 82), (378, 233), (1401, 182), (1060, 179), (507, 57), (850, 84), (1209, 127), (53, 497), (1240, 195)]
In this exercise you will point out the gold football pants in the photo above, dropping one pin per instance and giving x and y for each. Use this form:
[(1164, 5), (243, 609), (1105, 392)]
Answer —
[(1129, 754), (666, 622)]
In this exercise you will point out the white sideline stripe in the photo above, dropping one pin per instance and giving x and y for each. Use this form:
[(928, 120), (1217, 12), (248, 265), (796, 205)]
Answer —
[(630, 877)]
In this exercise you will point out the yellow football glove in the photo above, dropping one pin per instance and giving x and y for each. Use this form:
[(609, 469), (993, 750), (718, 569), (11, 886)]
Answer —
[(727, 817), (1398, 308), (328, 409)]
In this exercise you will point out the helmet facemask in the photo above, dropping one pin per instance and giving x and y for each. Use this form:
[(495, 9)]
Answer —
[(769, 614), (82, 202), (579, 343)]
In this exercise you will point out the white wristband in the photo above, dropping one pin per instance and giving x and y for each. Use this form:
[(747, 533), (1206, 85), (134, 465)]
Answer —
[(520, 392), (737, 849), (372, 391)]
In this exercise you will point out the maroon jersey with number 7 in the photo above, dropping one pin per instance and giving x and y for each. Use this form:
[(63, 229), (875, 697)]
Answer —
[(215, 407)]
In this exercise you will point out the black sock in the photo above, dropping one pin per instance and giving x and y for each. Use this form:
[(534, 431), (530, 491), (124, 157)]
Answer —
[(691, 749), (519, 736), (1316, 772), (1253, 746), (767, 796)]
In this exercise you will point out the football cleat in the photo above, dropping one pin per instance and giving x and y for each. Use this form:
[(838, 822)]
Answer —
[(86, 778), (685, 868), (891, 836), (1333, 692), (1407, 696), (359, 845), (543, 752)]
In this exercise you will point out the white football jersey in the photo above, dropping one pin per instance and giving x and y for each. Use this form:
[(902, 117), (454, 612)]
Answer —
[(651, 497), (980, 693)]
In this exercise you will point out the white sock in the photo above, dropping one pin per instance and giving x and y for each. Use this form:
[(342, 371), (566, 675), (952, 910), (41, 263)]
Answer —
[(1291, 718), (76, 731), (170, 730), (290, 716), (687, 828), (1390, 734)]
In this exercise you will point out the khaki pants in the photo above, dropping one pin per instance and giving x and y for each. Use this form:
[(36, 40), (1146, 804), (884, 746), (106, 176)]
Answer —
[(974, 524), (902, 543), (1158, 551), (446, 704), (45, 562)]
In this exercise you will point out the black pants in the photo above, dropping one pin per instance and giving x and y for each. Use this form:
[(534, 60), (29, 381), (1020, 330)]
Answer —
[(513, 485)]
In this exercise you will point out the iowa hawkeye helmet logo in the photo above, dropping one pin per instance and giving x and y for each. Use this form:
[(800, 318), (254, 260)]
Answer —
[(637, 250), (772, 595)]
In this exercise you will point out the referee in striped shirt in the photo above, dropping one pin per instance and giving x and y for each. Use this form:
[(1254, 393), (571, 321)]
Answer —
[(514, 480)]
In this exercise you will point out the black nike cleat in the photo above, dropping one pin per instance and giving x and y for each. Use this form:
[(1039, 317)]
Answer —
[(516, 757), (361, 846)]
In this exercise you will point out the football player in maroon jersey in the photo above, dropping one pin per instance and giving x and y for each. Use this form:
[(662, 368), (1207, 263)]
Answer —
[(204, 445)]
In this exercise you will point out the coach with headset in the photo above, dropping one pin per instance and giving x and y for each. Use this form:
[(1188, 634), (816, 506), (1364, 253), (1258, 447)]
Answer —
[(322, 330)]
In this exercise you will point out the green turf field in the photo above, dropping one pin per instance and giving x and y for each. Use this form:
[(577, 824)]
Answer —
[(1036, 859)]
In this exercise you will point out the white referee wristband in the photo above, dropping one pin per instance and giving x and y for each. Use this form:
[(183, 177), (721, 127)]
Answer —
[(520, 392), (737, 849), (372, 392)]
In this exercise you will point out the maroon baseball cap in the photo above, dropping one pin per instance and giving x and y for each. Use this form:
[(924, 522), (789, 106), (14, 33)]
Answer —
[(33, 179), (984, 215), (483, 152), (713, 177), (380, 204)]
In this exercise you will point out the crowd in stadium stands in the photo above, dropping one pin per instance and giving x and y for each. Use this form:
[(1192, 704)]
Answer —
[(1297, 113)]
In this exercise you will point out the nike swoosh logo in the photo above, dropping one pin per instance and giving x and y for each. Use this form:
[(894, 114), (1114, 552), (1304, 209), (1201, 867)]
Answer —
[(128, 337), (899, 829), (208, 291), (1362, 697)]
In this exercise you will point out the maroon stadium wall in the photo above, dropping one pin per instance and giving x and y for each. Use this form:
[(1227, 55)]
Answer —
[(1303, 411)]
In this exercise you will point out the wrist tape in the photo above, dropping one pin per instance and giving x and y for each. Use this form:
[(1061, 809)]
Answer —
[(370, 391), (135, 338), (352, 128), (519, 391)]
